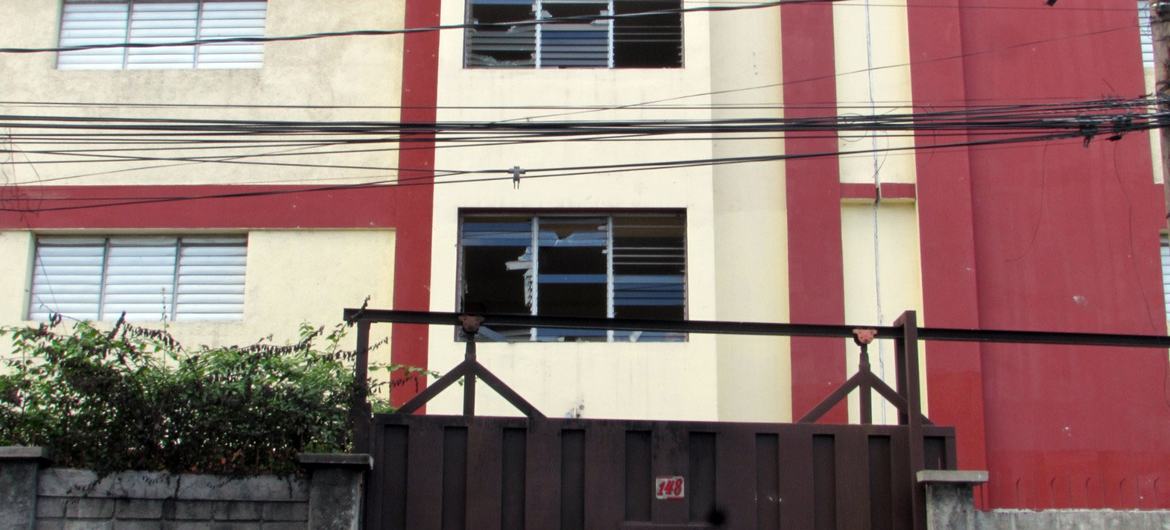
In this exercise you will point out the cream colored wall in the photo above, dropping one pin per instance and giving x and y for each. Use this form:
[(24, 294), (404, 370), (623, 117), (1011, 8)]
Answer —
[(293, 276), (333, 71), (664, 380), (879, 244), (751, 224), (879, 285), (1155, 135), (873, 70)]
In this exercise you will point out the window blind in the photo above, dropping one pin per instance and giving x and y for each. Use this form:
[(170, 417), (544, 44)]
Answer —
[(148, 278), (140, 21)]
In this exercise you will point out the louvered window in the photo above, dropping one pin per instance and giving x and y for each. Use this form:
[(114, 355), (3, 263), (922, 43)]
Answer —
[(88, 23), (574, 34), (1147, 33), (1166, 274), (148, 278), (621, 265)]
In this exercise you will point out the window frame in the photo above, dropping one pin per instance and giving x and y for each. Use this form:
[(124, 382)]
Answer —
[(171, 305), (537, 12), (534, 215), (128, 35)]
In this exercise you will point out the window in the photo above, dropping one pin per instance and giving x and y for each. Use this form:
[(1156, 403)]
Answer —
[(580, 34), (90, 22), (148, 278), (1146, 32), (1166, 274), (620, 265)]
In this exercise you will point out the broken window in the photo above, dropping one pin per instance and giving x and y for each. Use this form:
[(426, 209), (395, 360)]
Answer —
[(574, 34), (621, 265)]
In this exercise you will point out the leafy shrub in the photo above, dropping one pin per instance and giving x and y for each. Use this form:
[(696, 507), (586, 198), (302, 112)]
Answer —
[(133, 398)]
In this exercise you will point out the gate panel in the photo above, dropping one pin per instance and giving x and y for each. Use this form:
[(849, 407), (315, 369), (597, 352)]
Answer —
[(605, 476), (486, 480), (455, 472)]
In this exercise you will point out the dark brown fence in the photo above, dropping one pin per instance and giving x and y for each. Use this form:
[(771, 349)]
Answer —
[(440, 472), (460, 472)]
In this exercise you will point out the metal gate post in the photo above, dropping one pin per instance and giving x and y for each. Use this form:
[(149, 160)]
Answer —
[(906, 356), (469, 381), (359, 409)]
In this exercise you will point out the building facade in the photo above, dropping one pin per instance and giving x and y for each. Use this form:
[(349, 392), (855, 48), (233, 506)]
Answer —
[(288, 255), (1056, 235)]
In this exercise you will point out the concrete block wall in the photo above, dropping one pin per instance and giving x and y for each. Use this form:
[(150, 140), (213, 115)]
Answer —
[(33, 496), (950, 505), (72, 497)]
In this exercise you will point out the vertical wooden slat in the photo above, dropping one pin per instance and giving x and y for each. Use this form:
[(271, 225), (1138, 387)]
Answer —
[(767, 457), (393, 466), (424, 479), (484, 475), (436, 472), (639, 478), (899, 475), (572, 479), (542, 500), (934, 453), (797, 499), (604, 475), (669, 458), (454, 478), (513, 477), (700, 481), (852, 472), (881, 505), (735, 477), (824, 482)]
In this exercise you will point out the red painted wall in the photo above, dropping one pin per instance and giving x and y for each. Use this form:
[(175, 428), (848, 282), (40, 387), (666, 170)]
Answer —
[(202, 206), (815, 272), (412, 253), (1064, 238)]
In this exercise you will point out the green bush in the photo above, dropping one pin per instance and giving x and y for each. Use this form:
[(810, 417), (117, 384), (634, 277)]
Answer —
[(133, 398)]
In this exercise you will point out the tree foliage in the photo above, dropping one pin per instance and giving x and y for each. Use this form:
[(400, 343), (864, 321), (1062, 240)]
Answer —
[(134, 398)]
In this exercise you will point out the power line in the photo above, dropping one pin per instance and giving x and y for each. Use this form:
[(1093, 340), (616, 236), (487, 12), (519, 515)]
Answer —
[(534, 173), (427, 29)]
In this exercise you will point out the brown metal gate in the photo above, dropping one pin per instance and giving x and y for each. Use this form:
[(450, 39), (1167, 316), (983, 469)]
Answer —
[(467, 472), (458, 472)]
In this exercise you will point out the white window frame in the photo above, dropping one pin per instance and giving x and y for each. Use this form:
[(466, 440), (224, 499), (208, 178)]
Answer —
[(539, 12), (127, 54), (535, 218), (186, 264)]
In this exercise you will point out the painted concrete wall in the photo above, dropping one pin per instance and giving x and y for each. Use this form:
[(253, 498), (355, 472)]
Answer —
[(751, 225), (310, 254), (882, 279), (608, 380), (292, 277), (1063, 238), (362, 71)]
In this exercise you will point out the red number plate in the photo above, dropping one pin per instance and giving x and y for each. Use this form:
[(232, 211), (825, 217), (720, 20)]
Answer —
[(669, 488)]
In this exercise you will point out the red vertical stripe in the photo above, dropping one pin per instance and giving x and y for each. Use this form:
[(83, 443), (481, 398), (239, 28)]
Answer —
[(815, 275), (946, 232), (412, 252)]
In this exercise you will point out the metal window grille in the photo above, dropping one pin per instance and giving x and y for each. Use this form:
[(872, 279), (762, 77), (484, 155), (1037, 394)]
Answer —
[(1166, 273), (87, 23), (1147, 34), (147, 278), (619, 265), (575, 34)]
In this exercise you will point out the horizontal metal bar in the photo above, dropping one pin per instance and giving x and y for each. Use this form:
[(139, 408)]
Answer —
[(1044, 337), (617, 324), (766, 328)]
